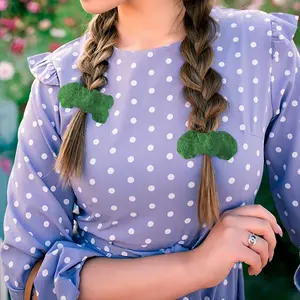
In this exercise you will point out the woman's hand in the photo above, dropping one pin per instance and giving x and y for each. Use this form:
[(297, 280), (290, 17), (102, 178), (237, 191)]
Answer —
[(227, 243)]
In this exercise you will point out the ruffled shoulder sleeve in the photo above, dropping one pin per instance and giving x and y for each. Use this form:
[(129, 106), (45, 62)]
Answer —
[(41, 66), (283, 26), (282, 141), (59, 67)]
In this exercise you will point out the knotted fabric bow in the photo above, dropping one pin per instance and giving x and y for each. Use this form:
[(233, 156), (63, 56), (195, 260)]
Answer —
[(213, 143), (94, 102)]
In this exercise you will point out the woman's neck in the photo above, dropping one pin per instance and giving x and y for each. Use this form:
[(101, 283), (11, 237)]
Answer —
[(147, 24)]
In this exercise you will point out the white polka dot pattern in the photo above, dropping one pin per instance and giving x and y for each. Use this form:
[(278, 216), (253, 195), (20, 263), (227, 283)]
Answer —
[(137, 195)]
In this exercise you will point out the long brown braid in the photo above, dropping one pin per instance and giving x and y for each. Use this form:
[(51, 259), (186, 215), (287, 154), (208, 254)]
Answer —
[(92, 64), (201, 86)]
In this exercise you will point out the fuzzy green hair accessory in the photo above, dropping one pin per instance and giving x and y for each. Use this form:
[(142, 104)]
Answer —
[(94, 102), (213, 143)]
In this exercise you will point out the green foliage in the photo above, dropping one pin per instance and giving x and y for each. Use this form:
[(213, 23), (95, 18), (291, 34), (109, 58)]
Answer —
[(25, 33), (194, 143), (276, 280), (94, 102)]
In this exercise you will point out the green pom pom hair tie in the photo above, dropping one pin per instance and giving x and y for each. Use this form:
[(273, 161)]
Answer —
[(189, 145), (94, 102), (213, 143)]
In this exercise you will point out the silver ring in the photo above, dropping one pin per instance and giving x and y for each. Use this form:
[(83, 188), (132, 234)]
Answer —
[(252, 239)]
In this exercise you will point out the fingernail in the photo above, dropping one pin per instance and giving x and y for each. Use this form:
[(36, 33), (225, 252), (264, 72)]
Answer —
[(271, 256), (280, 232)]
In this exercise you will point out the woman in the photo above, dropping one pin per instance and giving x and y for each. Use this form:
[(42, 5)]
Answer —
[(163, 72)]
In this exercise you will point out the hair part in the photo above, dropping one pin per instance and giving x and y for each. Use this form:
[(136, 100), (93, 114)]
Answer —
[(201, 87)]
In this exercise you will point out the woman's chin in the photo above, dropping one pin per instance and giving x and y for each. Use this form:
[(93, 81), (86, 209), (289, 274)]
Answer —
[(99, 6)]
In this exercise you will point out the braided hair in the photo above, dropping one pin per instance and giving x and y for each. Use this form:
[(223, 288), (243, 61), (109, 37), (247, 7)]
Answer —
[(201, 86)]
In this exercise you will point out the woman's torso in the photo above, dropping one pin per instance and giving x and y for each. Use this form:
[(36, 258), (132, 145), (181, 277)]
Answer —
[(136, 191)]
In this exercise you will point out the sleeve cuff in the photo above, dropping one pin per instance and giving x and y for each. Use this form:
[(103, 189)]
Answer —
[(59, 274)]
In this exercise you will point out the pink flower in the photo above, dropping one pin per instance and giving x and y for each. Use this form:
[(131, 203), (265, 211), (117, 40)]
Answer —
[(279, 2), (45, 24), (3, 5), (256, 4), (296, 6), (7, 70), (33, 7), (69, 22), (5, 165), (3, 31), (54, 46), (10, 24), (58, 33), (17, 46)]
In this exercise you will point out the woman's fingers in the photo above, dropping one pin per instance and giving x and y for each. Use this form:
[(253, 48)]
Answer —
[(261, 247), (254, 219), (254, 225), (257, 211), (252, 259), (263, 228)]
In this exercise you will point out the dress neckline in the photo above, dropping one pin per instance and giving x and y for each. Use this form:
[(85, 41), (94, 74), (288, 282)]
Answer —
[(149, 50)]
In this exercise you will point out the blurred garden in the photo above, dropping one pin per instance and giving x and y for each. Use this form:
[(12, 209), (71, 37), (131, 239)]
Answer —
[(29, 27)]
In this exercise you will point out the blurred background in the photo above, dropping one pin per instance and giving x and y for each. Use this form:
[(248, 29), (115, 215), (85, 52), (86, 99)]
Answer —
[(29, 27)]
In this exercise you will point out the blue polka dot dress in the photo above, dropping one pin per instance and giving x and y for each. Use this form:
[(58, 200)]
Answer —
[(138, 196)]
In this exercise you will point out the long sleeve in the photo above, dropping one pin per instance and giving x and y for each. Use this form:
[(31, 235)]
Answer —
[(282, 146), (39, 215)]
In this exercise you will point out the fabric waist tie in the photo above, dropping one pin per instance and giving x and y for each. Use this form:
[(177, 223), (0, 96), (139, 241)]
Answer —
[(109, 249)]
